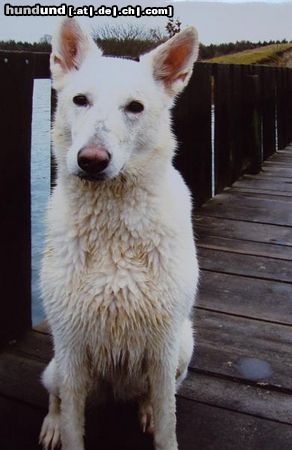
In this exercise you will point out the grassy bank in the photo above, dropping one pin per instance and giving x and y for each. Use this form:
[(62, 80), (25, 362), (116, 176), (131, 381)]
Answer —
[(270, 54)]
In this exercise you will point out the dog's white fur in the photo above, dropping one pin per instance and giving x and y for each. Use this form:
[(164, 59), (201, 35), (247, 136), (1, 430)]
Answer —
[(119, 273)]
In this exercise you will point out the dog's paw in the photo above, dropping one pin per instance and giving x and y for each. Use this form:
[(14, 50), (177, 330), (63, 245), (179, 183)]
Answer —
[(50, 437), (146, 416)]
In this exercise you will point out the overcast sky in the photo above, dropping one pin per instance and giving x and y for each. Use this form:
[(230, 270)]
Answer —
[(216, 21)]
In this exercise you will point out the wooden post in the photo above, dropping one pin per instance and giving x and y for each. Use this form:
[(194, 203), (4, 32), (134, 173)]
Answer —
[(268, 93), (16, 73), (281, 108), (287, 106), (223, 150), (290, 105), (253, 141), (192, 125), (237, 130)]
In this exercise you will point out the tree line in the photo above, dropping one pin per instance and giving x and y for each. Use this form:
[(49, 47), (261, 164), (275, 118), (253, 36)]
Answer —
[(133, 41)]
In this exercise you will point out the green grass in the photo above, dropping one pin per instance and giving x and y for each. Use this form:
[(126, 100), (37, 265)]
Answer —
[(270, 54)]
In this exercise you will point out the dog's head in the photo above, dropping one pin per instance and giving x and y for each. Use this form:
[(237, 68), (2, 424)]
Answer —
[(113, 113)]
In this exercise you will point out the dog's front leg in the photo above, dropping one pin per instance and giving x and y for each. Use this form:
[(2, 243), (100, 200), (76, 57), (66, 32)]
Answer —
[(73, 392), (162, 392)]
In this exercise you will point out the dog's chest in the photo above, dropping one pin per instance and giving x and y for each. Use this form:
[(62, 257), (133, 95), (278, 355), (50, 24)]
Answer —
[(117, 288)]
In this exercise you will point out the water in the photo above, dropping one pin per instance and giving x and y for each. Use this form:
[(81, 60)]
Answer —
[(40, 184), (254, 368)]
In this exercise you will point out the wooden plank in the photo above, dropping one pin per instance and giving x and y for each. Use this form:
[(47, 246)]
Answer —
[(269, 184), (203, 427), (15, 129), (247, 266), (242, 348), (255, 190), (276, 171), (34, 345), (246, 247), (208, 389), (235, 396), (252, 209), (286, 151), (237, 229), (259, 299), (20, 379), (199, 426), (272, 177), (278, 164), (192, 125), (248, 399), (20, 425), (262, 194), (281, 157)]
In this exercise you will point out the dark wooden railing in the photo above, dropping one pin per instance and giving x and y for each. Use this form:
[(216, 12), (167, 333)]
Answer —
[(251, 107)]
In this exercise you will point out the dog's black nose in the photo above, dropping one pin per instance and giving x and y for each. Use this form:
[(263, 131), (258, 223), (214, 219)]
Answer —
[(93, 159)]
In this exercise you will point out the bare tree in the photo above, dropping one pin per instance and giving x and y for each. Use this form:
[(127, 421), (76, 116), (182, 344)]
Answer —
[(46, 39), (173, 27), (128, 32), (127, 40)]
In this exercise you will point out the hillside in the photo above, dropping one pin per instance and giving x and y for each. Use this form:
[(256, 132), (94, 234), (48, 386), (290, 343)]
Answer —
[(275, 54)]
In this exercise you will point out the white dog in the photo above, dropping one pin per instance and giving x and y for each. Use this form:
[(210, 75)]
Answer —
[(119, 273)]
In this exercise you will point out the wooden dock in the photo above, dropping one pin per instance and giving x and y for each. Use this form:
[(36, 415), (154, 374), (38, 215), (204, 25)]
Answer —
[(238, 392)]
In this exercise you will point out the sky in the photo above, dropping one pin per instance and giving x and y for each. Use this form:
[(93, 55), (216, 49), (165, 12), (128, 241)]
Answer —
[(236, 1), (215, 20)]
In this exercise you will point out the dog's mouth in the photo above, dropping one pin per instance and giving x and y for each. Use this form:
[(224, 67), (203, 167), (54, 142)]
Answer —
[(95, 177), (91, 177)]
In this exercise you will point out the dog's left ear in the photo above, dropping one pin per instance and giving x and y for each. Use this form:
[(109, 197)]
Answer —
[(172, 62)]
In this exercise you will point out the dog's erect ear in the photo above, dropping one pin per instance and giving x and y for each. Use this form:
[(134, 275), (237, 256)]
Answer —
[(173, 61), (70, 46)]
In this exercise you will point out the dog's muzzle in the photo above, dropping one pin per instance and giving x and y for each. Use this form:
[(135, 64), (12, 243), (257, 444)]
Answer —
[(93, 160)]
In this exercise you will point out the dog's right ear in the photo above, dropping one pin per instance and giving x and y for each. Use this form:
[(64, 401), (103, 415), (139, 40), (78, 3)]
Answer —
[(70, 46)]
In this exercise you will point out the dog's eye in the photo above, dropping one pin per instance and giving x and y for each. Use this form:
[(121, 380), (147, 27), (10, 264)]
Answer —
[(134, 107), (80, 100)]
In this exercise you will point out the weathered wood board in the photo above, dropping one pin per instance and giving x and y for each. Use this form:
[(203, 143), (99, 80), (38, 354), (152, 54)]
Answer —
[(243, 348), (236, 396), (245, 247), (242, 230), (201, 427), (247, 297), (245, 265), (241, 206), (283, 185)]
